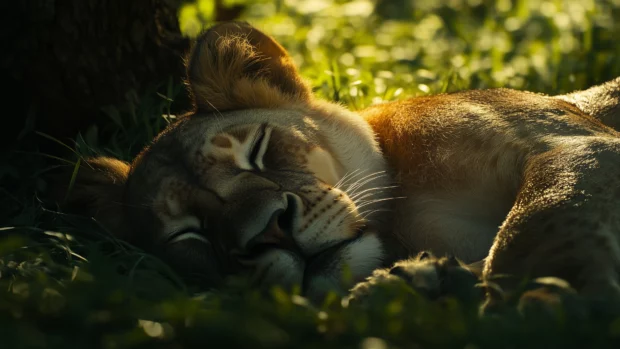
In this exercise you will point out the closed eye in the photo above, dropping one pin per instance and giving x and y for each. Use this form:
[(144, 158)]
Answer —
[(186, 234), (189, 252), (259, 147)]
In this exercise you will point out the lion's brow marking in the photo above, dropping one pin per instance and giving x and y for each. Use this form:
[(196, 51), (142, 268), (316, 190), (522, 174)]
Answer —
[(221, 141), (236, 144)]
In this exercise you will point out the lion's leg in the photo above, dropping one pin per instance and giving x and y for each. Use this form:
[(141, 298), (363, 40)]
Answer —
[(566, 220)]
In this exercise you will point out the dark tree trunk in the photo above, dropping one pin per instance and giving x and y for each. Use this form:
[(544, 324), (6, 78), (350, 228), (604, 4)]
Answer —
[(66, 59)]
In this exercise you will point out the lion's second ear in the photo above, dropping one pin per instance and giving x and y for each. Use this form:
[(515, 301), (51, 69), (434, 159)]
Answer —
[(235, 66), (97, 192)]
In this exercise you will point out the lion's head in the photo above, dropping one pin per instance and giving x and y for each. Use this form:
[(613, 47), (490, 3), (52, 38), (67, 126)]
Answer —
[(261, 179)]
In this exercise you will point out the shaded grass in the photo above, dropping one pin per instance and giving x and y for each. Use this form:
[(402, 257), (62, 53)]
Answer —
[(67, 282)]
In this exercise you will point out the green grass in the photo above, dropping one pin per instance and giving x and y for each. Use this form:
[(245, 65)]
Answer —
[(67, 282)]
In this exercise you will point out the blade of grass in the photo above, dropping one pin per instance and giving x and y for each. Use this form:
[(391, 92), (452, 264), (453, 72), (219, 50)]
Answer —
[(76, 169)]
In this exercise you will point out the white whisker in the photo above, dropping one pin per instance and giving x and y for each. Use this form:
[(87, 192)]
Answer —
[(379, 200), (346, 177), (362, 198), (353, 197), (366, 176), (365, 180), (364, 215)]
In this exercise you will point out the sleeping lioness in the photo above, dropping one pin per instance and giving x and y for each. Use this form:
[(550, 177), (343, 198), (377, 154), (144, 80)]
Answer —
[(265, 180)]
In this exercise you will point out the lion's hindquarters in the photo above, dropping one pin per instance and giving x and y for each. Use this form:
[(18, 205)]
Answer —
[(601, 101), (566, 220)]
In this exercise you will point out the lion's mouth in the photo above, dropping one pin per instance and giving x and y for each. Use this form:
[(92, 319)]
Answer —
[(329, 253), (272, 264), (332, 250), (328, 259), (325, 256)]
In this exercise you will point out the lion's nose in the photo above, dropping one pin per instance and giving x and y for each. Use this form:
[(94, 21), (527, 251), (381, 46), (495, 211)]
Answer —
[(278, 233)]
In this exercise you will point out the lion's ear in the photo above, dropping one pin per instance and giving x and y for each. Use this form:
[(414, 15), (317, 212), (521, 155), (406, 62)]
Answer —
[(235, 66), (97, 192)]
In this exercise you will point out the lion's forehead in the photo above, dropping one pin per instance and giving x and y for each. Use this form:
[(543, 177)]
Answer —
[(283, 148)]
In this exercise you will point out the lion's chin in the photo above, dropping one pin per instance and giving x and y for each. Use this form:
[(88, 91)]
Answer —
[(336, 269)]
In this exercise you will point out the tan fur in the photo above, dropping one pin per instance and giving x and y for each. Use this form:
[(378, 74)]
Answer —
[(242, 68), (294, 190), (98, 192), (462, 169)]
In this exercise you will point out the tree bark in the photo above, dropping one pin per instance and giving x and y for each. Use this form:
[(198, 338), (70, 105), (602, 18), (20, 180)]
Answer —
[(66, 59)]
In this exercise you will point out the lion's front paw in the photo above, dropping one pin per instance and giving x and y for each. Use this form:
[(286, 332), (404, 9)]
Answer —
[(427, 275)]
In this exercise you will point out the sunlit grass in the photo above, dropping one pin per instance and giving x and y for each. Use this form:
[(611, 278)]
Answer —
[(67, 282), (435, 46)]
